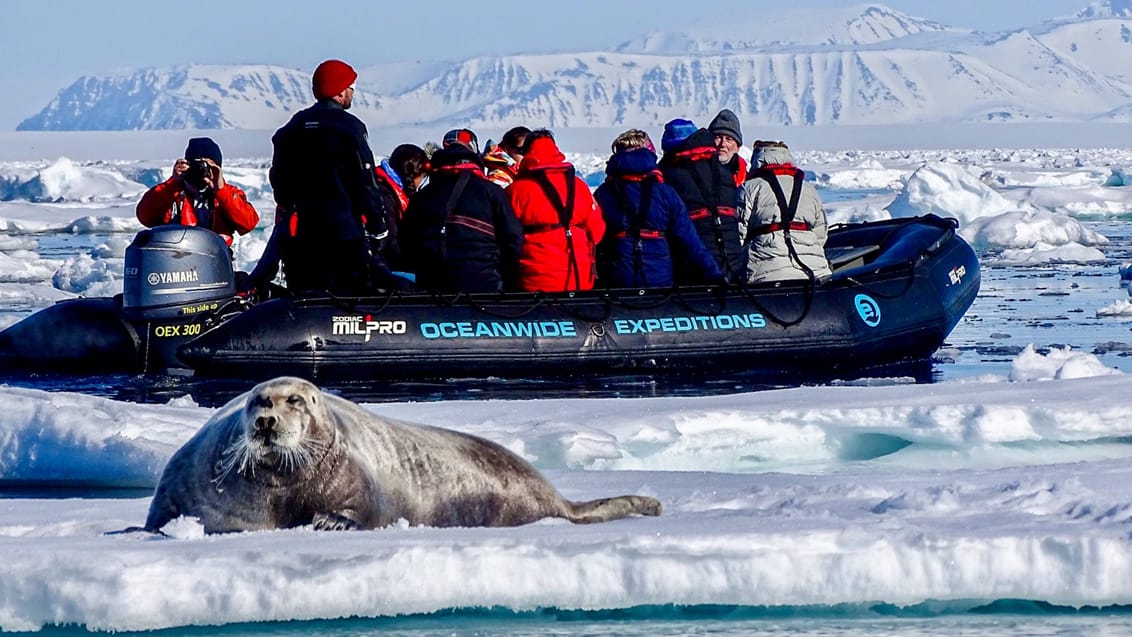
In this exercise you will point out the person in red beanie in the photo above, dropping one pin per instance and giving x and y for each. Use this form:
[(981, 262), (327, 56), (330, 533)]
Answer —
[(329, 205), (561, 221), (197, 195)]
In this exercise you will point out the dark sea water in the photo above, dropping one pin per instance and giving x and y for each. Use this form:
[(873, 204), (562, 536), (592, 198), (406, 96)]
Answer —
[(1052, 305)]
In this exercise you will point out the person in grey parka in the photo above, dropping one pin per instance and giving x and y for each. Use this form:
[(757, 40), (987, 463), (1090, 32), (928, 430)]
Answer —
[(781, 219)]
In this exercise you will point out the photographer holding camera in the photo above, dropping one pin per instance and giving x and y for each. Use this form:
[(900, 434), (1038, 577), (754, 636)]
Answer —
[(197, 195)]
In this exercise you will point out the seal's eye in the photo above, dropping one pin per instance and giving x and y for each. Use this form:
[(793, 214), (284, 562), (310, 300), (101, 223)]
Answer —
[(259, 400), (295, 399)]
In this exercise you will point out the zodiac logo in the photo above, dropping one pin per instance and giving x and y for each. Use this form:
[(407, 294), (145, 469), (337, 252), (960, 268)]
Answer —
[(868, 309)]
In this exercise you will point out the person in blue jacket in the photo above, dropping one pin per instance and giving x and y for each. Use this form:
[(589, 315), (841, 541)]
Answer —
[(648, 229)]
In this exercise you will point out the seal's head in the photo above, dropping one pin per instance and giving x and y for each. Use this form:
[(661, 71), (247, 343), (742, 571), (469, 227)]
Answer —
[(277, 415), (285, 429)]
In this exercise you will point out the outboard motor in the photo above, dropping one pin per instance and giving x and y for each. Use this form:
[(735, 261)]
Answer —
[(176, 280), (178, 283), (170, 270)]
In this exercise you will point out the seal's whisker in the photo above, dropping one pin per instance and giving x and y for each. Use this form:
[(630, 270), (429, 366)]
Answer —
[(312, 448), (309, 451), (244, 458), (291, 459), (295, 458), (287, 460), (235, 456)]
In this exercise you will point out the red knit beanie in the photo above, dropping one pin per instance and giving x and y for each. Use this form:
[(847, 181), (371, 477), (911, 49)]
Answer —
[(331, 78)]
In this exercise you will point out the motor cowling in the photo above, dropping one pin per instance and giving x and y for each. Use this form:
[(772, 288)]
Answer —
[(174, 271)]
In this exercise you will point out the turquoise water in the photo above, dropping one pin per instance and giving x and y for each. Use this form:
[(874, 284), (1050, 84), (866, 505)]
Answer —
[(1004, 618)]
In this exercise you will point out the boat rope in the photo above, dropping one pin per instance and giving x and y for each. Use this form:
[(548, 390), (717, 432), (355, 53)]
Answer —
[(788, 208), (441, 300), (686, 304), (566, 309), (539, 299), (807, 305), (909, 281), (623, 301)]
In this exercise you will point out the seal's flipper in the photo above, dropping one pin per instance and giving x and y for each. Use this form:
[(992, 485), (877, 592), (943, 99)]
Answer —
[(607, 509), (334, 522), (130, 530)]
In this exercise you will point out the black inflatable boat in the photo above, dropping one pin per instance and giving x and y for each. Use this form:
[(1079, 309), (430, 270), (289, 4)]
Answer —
[(898, 288)]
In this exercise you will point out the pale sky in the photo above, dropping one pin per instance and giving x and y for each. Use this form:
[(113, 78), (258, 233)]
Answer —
[(45, 45)]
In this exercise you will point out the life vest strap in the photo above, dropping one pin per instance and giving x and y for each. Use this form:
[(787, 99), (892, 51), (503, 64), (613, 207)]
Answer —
[(544, 227), (478, 225), (644, 234), (778, 227), (703, 213)]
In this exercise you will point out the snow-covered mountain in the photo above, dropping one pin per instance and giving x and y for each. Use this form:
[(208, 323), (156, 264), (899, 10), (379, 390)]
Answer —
[(1107, 9), (179, 97), (867, 64), (854, 26)]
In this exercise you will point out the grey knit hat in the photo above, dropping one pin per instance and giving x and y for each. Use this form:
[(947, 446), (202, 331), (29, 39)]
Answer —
[(726, 123)]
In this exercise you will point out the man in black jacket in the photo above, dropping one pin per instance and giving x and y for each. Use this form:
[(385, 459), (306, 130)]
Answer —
[(322, 174), (460, 233), (691, 167)]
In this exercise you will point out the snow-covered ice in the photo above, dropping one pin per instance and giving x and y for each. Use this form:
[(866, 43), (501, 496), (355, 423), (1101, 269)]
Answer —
[(963, 492)]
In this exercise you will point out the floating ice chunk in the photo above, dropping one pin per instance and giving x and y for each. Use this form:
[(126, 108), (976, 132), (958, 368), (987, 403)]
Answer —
[(1046, 253), (870, 174), (1036, 237), (1117, 178), (86, 275), (950, 190), (66, 181), (25, 267), (1031, 365), (1117, 308)]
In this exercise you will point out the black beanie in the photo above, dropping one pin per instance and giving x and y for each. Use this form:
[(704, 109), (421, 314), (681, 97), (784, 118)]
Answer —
[(726, 123), (203, 148)]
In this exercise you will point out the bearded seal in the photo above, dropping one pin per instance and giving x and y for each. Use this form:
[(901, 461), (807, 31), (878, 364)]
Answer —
[(287, 454)]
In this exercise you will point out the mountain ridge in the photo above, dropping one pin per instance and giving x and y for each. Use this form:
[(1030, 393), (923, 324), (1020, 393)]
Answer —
[(861, 65)]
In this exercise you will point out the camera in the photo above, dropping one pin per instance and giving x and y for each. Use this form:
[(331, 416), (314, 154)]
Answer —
[(197, 173)]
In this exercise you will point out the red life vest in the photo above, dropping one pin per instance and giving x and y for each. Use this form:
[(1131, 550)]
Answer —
[(402, 198)]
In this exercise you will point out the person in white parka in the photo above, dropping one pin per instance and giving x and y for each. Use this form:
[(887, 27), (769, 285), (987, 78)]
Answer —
[(781, 219)]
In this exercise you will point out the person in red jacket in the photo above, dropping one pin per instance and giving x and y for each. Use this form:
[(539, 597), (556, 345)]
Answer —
[(198, 195), (561, 221)]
